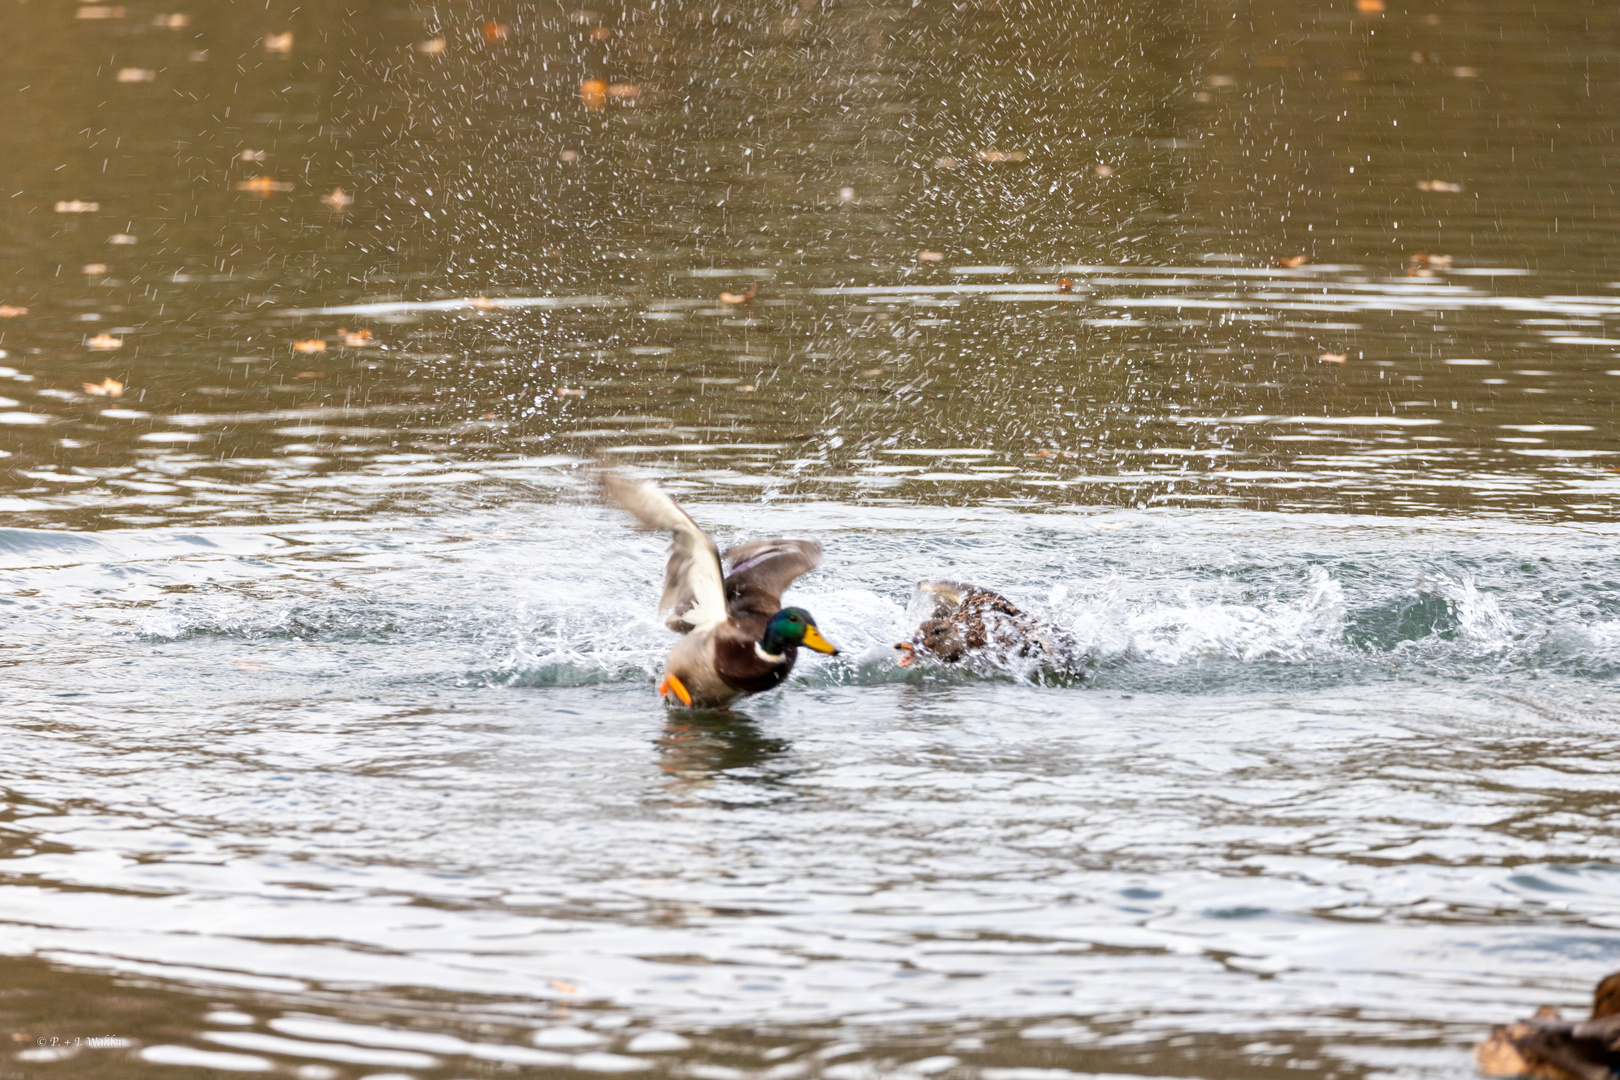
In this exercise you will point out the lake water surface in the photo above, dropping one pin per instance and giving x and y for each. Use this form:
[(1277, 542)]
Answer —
[(1263, 348)]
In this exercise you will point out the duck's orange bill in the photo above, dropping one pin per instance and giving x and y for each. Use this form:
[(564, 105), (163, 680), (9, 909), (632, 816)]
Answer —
[(672, 685), (908, 653), (814, 640)]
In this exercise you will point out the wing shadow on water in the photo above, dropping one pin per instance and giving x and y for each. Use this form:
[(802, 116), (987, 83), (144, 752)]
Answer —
[(702, 748)]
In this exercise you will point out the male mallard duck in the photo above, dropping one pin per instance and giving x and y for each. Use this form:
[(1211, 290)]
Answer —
[(969, 620), (738, 639), (1549, 1047)]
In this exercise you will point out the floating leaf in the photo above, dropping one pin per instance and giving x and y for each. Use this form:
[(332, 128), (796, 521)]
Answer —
[(563, 391), (136, 74), (313, 345), (494, 31), (74, 206), (121, 238), (105, 388), (947, 163), (600, 33), (1465, 73), (1065, 285), (1333, 358), (355, 339), (568, 157), (312, 374), (431, 47), (625, 92), (104, 342), (7, 311), (101, 11), (177, 21), (1424, 265), (562, 986), (999, 156), (263, 186), (1288, 262), (250, 155), (1438, 185), (930, 256), (94, 270), (339, 200), (278, 44), (1104, 171), (1370, 7), (593, 94), (484, 303), (742, 297), (1049, 453), (846, 194)]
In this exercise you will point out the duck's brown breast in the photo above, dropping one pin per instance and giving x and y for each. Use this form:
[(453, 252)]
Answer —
[(737, 662)]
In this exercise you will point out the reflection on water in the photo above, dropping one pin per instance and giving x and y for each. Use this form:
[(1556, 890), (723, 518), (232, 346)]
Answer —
[(1267, 352), (702, 749)]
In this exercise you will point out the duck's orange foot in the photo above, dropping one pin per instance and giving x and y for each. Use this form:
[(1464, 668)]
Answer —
[(672, 685)]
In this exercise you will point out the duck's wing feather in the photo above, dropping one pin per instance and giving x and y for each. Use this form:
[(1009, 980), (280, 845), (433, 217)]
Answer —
[(1578, 1051), (694, 594), (946, 595), (762, 571)]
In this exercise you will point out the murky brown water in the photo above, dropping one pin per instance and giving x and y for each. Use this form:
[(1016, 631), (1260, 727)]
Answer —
[(820, 156), (1267, 349)]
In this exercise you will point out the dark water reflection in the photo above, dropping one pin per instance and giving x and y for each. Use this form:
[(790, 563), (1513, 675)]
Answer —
[(699, 750), (465, 1038), (330, 753)]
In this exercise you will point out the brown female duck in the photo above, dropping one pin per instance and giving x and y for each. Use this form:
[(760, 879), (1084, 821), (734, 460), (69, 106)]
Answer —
[(1548, 1047), (969, 621)]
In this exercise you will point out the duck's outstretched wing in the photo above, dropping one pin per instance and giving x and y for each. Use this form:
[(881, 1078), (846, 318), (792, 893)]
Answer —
[(694, 594), (762, 571)]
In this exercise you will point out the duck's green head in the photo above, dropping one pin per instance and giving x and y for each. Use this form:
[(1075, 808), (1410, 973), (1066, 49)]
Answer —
[(790, 628)]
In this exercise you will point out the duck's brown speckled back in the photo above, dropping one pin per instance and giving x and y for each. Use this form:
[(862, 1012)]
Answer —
[(972, 621)]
